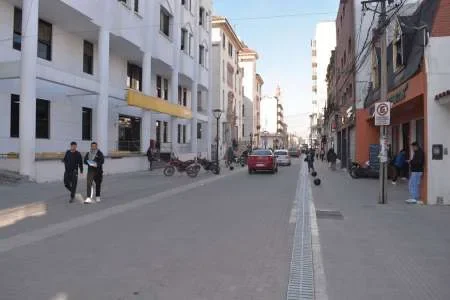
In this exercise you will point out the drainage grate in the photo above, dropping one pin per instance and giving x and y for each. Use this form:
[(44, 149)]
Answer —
[(329, 214)]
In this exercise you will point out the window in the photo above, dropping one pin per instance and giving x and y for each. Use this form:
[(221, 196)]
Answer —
[(243, 110), (184, 134), (136, 6), (314, 53), (230, 49), (185, 97), (45, 40), (398, 50), (14, 121), (199, 131), (162, 88), (184, 40), (44, 47), (182, 96), (243, 130), (191, 38), (224, 40), (201, 55), (201, 16), (165, 131), (158, 131), (223, 70), (179, 134), (166, 89), (129, 133), (207, 21), (87, 124), (164, 22), (88, 57), (134, 78), (183, 2), (42, 119), (159, 86), (199, 101), (230, 78)]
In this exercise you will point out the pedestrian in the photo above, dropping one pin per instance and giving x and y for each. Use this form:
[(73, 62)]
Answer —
[(417, 166), (331, 158), (72, 162), (150, 157), (322, 154), (94, 159), (230, 156), (398, 164), (310, 160)]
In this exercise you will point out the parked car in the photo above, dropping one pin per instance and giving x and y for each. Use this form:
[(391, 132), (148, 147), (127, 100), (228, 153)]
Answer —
[(294, 152), (283, 158), (262, 160)]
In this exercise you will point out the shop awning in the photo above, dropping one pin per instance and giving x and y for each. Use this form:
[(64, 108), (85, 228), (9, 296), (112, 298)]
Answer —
[(138, 99)]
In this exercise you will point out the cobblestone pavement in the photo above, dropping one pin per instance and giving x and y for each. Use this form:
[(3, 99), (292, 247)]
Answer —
[(153, 237), (392, 251)]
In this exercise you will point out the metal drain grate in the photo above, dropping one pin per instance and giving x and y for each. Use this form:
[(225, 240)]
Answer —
[(329, 214)]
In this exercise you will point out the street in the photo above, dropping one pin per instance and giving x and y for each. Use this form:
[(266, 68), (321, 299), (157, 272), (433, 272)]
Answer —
[(153, 237)]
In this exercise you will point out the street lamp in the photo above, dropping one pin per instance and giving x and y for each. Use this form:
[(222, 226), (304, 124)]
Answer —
[(251, 141), (217, 114)]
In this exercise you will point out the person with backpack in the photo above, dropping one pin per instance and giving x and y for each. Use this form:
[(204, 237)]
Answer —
[(72, 162), (398, 164), (331, 158)]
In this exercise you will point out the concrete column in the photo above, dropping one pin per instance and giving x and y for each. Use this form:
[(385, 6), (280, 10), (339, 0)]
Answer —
[(103, 97), (27, 112), (173, 98), (194, 139), (146, 127)]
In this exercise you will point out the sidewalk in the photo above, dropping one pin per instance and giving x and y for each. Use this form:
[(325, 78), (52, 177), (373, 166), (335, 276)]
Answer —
[(392, 251), (28, 205)]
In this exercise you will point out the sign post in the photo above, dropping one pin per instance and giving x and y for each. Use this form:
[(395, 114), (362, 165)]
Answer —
[(383, 119)]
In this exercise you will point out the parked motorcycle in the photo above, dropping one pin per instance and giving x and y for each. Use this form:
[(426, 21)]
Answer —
[(366, 171), (209, 165), (189, 166)]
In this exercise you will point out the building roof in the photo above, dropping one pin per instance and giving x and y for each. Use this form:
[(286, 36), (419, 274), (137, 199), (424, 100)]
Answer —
[(220, 21), (413, 48), (246, 51)]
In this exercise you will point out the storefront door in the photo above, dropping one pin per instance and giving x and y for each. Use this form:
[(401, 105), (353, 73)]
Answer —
[(406, 138)]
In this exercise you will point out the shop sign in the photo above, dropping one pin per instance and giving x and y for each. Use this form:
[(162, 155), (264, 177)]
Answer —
[(399, 95)]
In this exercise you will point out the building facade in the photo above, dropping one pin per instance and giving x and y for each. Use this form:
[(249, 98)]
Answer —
[(227, 78), (321, 46), (103, 72), (273, 127)]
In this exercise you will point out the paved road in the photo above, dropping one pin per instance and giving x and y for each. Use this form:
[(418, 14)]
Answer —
[(211, 238), (393, 251)]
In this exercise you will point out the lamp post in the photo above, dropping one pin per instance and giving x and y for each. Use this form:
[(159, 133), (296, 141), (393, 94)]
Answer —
[(217, 114), (251, 141)]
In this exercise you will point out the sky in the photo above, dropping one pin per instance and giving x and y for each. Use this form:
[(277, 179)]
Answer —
[(284, 47)]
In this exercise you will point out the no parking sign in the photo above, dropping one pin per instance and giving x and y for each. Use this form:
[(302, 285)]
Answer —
[(382, 113)]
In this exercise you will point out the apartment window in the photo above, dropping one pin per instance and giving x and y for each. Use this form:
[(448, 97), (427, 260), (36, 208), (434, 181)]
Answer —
[(158, 131), (45, 40), (165, 131), (201, 55), (14, 116), (86, 124), (182, 96), (44, 47), (199, 131), (184, 37), (199, 101), (136, 6), (243, 130), (398, 50), (191, 38), (162, 88), (179, 134), (230, 49), (164, 25), (88, 57), (243, 110), (42, 119), (314, 53), (184, 133), (134, 78), (201, 16), (224, 40)]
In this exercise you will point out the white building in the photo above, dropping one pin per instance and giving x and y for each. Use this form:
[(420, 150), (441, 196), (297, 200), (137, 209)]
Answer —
[(226, 82), (251, 90), (273, 129), (118, 72)]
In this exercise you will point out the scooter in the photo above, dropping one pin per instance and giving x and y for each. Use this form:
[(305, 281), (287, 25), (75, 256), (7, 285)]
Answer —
[(366, 171)]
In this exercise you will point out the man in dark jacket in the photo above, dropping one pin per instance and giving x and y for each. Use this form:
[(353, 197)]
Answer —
[(331, 158), (310, 160), (417, 167), (72, 161), (94, 159)]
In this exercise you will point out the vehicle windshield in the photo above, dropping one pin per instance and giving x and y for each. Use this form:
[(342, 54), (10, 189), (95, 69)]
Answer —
[(281, 152), (261, 152)]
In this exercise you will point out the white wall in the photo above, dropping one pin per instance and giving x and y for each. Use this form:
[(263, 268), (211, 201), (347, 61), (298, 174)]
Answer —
[(268, 114), (438, 117)]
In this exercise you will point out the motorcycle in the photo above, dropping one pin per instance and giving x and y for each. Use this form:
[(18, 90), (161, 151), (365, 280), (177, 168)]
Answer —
[(209, 165), (366, 171), (190, 167)]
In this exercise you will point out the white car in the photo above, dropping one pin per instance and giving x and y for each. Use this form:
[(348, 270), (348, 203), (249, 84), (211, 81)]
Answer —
[(283, 158)]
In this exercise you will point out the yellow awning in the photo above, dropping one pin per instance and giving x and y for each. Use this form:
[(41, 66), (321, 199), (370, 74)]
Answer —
[(138, 99)]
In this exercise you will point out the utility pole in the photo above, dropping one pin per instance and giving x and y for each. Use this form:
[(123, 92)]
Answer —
[(383, 97)]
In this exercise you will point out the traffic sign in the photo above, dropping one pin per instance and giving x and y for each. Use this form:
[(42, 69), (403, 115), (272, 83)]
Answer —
[(382, 114)]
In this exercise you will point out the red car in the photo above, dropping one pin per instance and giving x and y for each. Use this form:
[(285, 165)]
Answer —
[(262, 160)]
